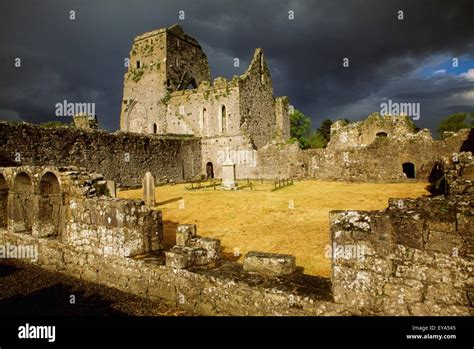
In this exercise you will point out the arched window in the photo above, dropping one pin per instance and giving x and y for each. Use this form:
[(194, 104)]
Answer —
[(381, 135), (155, 128), (49, 206), (224, 119)]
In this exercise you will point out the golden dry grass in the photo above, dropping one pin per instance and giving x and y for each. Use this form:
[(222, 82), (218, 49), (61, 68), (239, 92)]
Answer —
[(262, 220)]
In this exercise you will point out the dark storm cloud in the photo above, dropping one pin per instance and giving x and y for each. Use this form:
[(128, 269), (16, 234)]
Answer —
[(82, 60)]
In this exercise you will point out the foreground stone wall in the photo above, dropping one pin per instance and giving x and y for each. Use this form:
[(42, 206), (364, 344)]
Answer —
[(414, 258), (121, 157), (69, 205), (222, 290)]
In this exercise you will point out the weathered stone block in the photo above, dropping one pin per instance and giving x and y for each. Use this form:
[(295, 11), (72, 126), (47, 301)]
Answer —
[(269, 263), (394, 307), (428, 308), (446, 294), (358, 288), (180, 257), (449, 227), (409, 232), (212, 248), (444, 242), (403, 293), (112, 188), (184, 233)]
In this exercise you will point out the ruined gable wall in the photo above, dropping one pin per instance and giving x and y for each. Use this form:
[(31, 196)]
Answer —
[(256, 102), (167, 158)]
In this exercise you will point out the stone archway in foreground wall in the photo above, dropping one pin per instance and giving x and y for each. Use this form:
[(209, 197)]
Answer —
[(22, 203), (50, 201), (409, 169), (3, 202)]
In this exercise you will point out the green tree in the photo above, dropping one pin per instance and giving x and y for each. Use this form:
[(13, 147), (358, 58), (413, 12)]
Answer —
[(317, 140), (324, 130), (456, 122), (300, 128)]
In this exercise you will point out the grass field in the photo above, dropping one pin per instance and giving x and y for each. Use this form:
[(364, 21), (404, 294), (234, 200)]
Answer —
[(262, 220)]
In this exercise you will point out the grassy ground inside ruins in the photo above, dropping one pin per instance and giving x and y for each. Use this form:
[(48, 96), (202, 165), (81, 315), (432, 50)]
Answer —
[(262, 220)]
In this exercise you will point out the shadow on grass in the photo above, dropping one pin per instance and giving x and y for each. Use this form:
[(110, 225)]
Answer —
[(168, 201)]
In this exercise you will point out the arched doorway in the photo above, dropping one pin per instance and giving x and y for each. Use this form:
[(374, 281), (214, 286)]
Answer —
[(409, 169), (49, 205), (3, 202), (22, 203), (209, 170)]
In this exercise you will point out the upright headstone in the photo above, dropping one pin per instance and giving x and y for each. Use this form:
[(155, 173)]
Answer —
[(148, 185), (112, 188), (228, 175)]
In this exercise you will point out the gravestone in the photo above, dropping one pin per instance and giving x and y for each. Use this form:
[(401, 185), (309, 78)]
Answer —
[(228, 175), (148, 186), (112, 188)]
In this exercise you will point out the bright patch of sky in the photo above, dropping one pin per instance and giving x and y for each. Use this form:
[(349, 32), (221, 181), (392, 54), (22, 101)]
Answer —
[(444, 66)]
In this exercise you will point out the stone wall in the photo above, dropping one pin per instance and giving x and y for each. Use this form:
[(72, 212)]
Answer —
[(414, 258), (382, 160), (69, 205), (121, 157), (224, 289), (363, 133)]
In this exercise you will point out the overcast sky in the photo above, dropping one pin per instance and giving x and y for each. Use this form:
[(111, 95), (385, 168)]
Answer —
[(407, 60)]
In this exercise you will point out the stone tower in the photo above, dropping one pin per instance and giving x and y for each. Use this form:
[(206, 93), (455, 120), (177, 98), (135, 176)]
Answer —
[(161, 62)]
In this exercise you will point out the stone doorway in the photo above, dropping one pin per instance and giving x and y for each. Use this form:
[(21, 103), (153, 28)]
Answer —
[(209, 170), (409, 169)]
